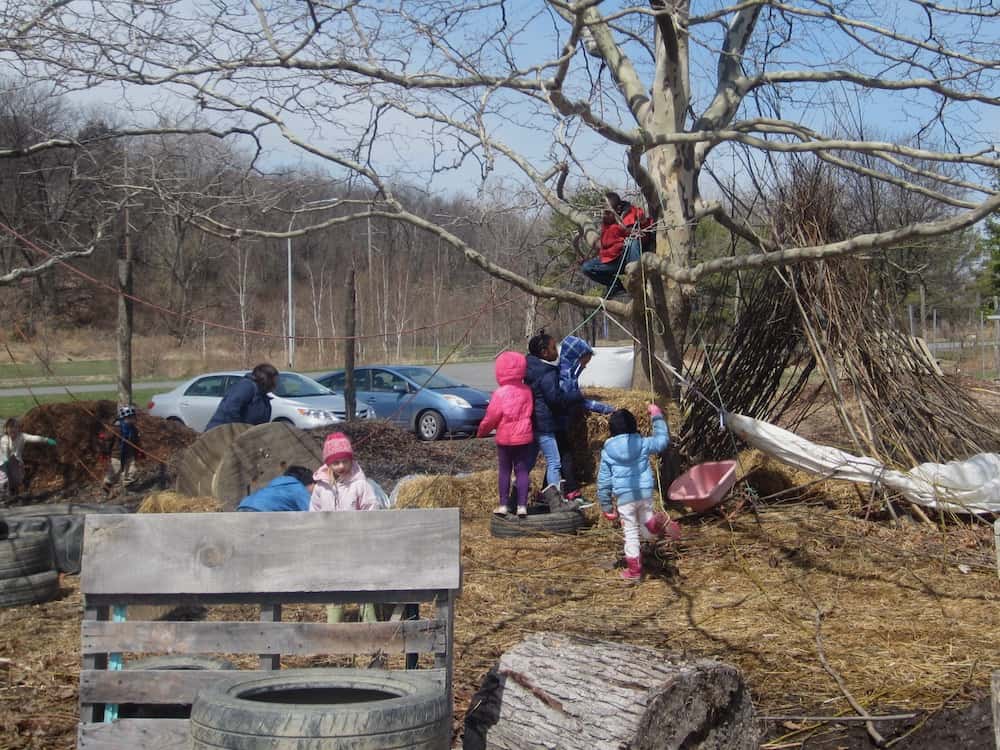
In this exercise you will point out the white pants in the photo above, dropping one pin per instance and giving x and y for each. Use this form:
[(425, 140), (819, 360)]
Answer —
[(634, 517)]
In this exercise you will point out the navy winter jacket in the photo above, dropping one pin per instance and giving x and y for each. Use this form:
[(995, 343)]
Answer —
[(244, 403), (281, 493), (543, 377)]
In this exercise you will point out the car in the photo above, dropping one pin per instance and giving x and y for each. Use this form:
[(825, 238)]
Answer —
[(297, 399), (416, 398)]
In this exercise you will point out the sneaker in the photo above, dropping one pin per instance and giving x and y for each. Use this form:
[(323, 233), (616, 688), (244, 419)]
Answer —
[(501, 510), (522, 511)]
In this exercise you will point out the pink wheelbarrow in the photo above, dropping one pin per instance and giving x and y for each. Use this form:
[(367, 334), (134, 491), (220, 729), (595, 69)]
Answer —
[(703, 486)]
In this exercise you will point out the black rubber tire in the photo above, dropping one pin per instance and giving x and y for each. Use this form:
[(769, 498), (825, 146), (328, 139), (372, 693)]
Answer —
[(67, 542), (25, 554), (61, 509), (564, 522), (32, 589), (417, 716), (64, 524), (430, 425)]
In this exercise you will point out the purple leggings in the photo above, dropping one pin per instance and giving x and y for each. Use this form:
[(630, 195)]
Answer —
[(520, 458)]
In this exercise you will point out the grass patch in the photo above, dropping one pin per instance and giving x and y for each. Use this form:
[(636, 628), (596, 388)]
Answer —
[(77, 368), (16, 406)]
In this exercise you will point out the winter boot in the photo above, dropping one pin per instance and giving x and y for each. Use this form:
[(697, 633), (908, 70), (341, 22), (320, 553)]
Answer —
[(633, 569), (553, 497)]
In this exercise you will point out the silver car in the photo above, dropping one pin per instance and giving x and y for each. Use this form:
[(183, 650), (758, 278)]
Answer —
[(296, 399)]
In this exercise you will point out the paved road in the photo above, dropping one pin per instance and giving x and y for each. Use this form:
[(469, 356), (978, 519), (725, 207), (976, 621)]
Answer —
[(476, 374)]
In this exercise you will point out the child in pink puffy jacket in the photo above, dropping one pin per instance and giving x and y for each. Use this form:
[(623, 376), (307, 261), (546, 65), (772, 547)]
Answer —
[(509, 413), (340, 482)]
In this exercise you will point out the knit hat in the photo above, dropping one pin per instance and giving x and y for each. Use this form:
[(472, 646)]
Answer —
[(622, 422), (337, 448)]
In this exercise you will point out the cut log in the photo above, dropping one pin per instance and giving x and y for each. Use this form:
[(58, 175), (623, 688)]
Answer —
[(556, 691), (259, 455), (201, 460)]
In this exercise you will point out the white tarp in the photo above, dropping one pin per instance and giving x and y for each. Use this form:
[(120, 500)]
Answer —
[(610, 367), (970, 486)]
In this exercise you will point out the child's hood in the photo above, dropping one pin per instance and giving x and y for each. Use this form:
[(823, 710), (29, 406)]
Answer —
[(624, 448), (571, 351), (510, 368)]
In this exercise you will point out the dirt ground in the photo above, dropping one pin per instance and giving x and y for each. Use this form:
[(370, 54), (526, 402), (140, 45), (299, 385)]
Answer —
[(903, 612)]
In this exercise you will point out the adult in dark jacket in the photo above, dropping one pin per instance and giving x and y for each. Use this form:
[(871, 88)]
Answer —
[(246, 401), (543, 377), (290, 491)]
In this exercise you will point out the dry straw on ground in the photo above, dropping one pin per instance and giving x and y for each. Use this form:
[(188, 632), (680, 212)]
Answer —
[(173, 502), (907, 611)]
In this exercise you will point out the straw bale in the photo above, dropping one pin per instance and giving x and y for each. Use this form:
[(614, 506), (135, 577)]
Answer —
[(173, 502)]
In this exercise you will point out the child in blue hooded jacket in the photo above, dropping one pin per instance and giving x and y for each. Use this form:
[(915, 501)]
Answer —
[(626, 475), (574, 355)]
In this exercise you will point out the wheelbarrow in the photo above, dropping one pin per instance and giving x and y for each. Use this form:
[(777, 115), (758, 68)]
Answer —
[(703, 486)]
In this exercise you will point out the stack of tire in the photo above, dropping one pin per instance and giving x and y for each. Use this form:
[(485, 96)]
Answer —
[(65, 522), (27, 564)]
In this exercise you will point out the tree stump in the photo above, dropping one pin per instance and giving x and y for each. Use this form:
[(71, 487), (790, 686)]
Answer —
[(259, 455), (556, 691), (198, 464)]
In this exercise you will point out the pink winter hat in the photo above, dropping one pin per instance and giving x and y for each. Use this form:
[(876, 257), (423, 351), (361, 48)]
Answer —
[(337, 448)]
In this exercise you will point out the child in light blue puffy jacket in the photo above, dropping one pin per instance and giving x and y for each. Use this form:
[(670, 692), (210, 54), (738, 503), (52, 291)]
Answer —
[(626, 476)]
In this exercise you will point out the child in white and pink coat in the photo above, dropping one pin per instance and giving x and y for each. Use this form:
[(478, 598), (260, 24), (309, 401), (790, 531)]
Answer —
[(341, 485), (340, 482)]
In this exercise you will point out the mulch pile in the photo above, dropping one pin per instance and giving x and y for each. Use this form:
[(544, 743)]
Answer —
[(76, 458)]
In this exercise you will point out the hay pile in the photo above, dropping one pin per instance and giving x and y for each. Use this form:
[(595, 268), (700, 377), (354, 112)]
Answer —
[(172, 502)]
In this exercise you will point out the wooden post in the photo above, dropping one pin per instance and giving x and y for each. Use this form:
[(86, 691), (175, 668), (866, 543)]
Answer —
[(350, 399), (270, 613)]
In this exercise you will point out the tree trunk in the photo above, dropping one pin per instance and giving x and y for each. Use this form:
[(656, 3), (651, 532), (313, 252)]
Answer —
[(125, 315), (558, 691)]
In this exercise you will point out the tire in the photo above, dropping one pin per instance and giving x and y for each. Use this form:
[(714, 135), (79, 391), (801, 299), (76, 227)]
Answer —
[(67, 542), (64, 524), (178, 420), (31, 589), (25, 554), (388, 710), (563, 522), (430, 425)]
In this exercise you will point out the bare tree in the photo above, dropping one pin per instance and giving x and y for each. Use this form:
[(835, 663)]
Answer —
[(556, 94)]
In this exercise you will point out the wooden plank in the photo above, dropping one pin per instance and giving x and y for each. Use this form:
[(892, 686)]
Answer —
[(151, 685), (129, 734), (996, 545), (204, 553), (94, 660), (270, 614), (995, 691), (297, 638), (389, 596)]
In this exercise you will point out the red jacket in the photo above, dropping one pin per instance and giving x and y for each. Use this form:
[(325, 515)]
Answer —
[(614, 232), (511, 404)]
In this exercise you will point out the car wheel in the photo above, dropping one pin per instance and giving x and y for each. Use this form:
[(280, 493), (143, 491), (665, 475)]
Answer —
[(430, 425), (283, 420), (178, 420)]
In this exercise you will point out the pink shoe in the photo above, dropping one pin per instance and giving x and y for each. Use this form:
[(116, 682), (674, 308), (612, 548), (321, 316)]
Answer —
[(633, 569)]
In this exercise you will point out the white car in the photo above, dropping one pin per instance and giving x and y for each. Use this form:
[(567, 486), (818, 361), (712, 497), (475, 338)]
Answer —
[(297, 399)]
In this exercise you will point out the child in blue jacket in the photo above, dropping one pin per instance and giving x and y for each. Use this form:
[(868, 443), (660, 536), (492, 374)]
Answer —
[(290, 491), (626, 475), (574, 355)]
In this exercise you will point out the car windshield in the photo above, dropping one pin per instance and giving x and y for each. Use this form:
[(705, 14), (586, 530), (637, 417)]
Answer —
[(422, 377), (293, 385)]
